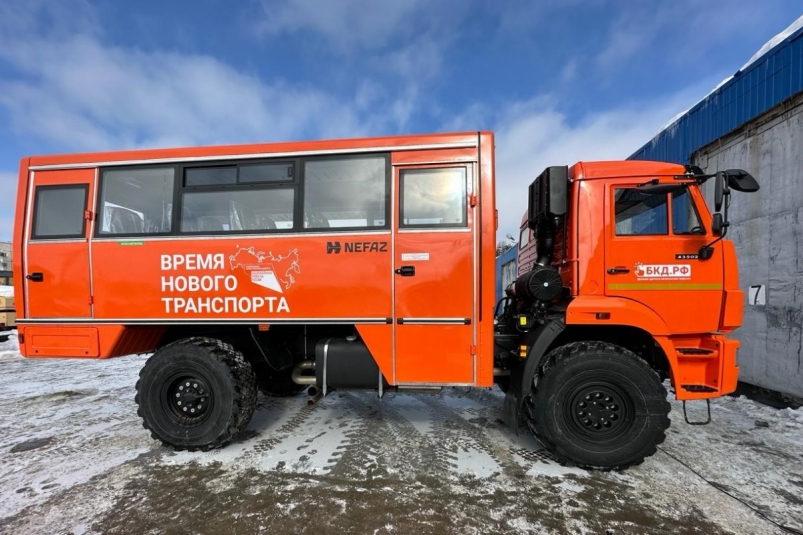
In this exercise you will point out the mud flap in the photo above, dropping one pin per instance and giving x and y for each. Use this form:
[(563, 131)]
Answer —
[(513, 400), (511, 415), (521, 376)]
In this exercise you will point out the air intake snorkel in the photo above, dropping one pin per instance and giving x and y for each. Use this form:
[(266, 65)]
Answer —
[(548, 205)]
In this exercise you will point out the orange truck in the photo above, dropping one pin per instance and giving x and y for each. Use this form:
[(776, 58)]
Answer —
[(369, 264)]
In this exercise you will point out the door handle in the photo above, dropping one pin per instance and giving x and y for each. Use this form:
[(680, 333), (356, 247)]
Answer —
[(618, 270), (35, 277), (405, 271)]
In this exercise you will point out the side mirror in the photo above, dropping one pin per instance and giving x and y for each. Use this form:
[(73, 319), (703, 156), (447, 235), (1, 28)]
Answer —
[(716, 224), (741, 180), (720, 189)]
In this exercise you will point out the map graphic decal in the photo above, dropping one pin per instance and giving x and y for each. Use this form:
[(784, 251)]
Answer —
[(266, 270)]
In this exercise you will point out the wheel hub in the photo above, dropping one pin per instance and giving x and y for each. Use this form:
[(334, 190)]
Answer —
[(189, 396), (599, 411)]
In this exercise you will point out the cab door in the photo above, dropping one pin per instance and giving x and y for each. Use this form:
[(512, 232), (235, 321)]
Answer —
[(651, 256), (56, 256), (434, 275)]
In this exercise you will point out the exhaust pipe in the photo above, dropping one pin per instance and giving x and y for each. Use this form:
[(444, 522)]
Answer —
[(313, 400), (299, 378)]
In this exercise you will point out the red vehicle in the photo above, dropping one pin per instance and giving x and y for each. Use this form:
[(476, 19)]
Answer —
[(369, 264)]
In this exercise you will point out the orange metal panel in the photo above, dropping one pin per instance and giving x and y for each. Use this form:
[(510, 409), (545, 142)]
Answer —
[(434, 155), (256, 148), (442, 289), (379, 339), (486, 255), (65, 289), (437, 354), (583, 310), (244, 277), (18, 239), (49, 341), (627, 168), (672, 287)]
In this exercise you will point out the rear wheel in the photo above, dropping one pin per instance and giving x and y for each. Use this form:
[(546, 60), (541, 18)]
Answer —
[(598, 405), (196, 393)]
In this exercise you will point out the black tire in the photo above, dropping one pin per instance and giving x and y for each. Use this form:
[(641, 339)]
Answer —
[(278, 384), (211, 378), (598, 406)]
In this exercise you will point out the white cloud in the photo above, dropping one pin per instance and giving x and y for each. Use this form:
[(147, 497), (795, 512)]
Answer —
[(402, 42), (345, 24), (687, 28), (533, 135), (80, 94), (85, 96), (76, 93)]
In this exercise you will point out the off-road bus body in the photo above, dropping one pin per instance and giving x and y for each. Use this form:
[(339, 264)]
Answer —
[(369, 264)]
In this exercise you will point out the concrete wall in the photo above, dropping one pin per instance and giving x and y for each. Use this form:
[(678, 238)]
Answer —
[(767, 228)]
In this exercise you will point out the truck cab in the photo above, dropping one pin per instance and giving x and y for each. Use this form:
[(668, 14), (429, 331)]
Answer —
[(621, 258)]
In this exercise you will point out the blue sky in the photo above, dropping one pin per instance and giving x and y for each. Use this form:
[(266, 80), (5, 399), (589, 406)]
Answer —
[(558, 81)]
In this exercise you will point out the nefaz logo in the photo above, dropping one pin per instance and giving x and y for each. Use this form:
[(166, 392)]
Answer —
[(357, 247)]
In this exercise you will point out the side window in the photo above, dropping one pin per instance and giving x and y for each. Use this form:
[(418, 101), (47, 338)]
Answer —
[(59, 211), (136, 201), (524, 237), (638, 214), (243, 197), (345, 192), (685, 219), (433, 197), (237, 210)]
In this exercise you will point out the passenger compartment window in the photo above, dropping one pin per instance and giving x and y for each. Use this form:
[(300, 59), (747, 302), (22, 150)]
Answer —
[(433, 197), (270, 172), (224, 175), (685, 219), (59, 211), (136, 201), (639, 214), (237, 210), (210, 176), (345, 193)]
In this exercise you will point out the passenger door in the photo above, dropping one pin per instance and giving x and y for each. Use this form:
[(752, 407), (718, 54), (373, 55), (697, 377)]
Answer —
[(434, 275), (56, 257), (651, 257)]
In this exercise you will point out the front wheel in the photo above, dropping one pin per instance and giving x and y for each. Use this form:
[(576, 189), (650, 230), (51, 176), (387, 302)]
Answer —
[(598, 405), (196, 393)]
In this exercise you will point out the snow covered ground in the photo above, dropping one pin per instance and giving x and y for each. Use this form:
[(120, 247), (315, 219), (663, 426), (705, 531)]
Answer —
[(75, 459)]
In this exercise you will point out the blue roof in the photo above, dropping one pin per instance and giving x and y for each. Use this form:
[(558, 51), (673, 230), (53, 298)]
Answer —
[(760, 86)]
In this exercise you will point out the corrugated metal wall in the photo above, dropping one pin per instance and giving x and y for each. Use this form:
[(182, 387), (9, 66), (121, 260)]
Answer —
[(773, 78), (504, 275)]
